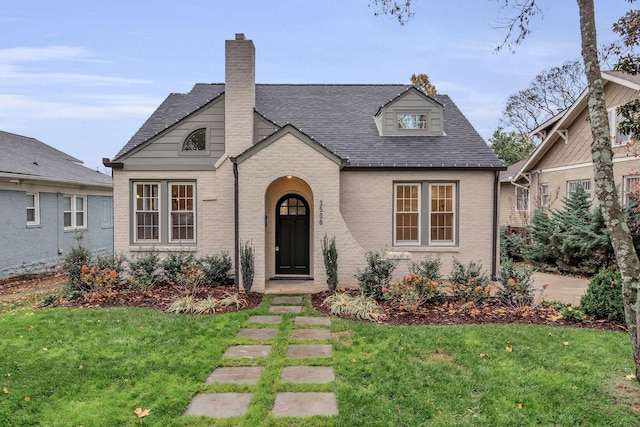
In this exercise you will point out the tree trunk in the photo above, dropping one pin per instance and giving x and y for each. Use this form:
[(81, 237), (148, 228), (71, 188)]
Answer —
[(602, 155)]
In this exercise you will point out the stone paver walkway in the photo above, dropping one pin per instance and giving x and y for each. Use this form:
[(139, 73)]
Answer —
[(286, 404)]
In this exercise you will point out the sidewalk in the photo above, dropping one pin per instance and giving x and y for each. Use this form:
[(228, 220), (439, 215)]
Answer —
[(566, 289)]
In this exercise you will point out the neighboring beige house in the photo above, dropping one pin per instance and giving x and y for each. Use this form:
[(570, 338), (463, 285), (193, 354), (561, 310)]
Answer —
[(514, 211), (375, 166), (563, 159)]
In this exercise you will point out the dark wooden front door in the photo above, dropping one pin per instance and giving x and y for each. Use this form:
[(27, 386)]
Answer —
[(292, 235)]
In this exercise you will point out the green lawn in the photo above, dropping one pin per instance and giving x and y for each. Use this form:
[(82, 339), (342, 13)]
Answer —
[(72, 367)]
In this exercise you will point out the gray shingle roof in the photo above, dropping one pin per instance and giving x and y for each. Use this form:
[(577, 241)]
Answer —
[(32, 159), (341, 118)]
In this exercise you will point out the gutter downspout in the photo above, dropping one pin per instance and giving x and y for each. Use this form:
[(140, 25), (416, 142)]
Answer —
[(494, 246), (236, 216)]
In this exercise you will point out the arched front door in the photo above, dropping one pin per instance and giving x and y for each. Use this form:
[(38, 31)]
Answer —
[(292, 235)]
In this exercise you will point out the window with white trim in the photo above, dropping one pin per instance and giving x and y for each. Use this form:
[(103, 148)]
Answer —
[(407, 216), (182, 212), (147, 212), (164, 212), (617, 138), (412, 121), (544, 195), (522, 199), (74, 212), (573, 185), (442, 211), (33, 208), (631, 189)]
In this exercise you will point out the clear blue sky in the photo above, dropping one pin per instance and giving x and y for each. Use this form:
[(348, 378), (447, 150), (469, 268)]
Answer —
[(83, 76)]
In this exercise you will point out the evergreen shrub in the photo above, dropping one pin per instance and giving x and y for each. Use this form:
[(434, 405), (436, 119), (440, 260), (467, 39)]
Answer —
[(603, 298)]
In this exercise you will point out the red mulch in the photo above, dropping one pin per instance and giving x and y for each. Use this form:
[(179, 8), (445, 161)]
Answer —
[(158, 297), (450, 312)]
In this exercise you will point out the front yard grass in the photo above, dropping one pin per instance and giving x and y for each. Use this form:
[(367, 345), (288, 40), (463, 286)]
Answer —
[(94, 367)]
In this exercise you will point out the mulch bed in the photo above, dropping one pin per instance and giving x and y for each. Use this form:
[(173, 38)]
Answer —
[(158, 297), (450, 312), (26, 282)]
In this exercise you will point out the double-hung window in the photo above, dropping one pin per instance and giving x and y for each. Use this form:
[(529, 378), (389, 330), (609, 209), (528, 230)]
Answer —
[(442, 208), (147, 212), (617, 138), (572, 186), (631, 189), (407, 218), (164, 212), (425, 213), (75, 212), (33, 209), (544, 195), (522, 199), (182, 213)]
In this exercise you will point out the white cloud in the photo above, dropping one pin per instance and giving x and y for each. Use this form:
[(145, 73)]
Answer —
[(14, 55)]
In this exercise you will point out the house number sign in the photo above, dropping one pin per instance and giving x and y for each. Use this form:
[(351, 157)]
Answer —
[(321, 212)]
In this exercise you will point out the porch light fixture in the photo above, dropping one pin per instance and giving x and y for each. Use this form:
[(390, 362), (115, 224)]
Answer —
[(289, 176)]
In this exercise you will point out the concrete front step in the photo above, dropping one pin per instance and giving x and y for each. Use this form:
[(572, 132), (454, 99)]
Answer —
[(305, 404)]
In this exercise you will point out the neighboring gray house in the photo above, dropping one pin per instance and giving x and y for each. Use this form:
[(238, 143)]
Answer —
[(46, 198), (375, 166)]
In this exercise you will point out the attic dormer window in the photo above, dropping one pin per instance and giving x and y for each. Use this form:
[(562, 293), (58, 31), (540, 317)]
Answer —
[(411, 121), (196, 141)]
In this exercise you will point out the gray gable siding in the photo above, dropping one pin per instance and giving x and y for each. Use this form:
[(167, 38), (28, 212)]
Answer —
[(263, 128), (412, 102), (164, 152), (341, 118)]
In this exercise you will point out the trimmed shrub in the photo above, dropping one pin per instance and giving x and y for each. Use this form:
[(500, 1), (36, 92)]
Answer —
[(469, 283), (412, 292), (517, 285), (216, 269), (603, 298), (247, 265), (376, 275), (72, 265), (145, 269), (428, 268), (330, 254), (173, 263)]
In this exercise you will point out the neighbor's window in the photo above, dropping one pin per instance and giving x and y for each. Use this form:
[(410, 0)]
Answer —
[(75, 212), (631, 189), (411, 121), (442, 210), (544, 195), (617, 138), (572, 186), (147, 212), (522, 199), (182, 212), (407, 217), (196, 141), (33, 208)]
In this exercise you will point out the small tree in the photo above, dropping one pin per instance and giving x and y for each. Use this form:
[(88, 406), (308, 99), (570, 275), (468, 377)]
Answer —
[(73, 262), (423, 82), (330, 254), (247, 265)]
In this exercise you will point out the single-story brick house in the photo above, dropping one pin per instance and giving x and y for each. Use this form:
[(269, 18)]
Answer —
[(281, 165), (47, 198)]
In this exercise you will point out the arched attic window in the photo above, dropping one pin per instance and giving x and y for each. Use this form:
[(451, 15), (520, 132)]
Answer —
[(196, 141)]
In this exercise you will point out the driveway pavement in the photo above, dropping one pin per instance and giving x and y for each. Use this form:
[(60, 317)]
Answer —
[(564, 289)]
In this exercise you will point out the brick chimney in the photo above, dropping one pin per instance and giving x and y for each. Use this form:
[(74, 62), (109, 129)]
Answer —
[(240, 94)]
